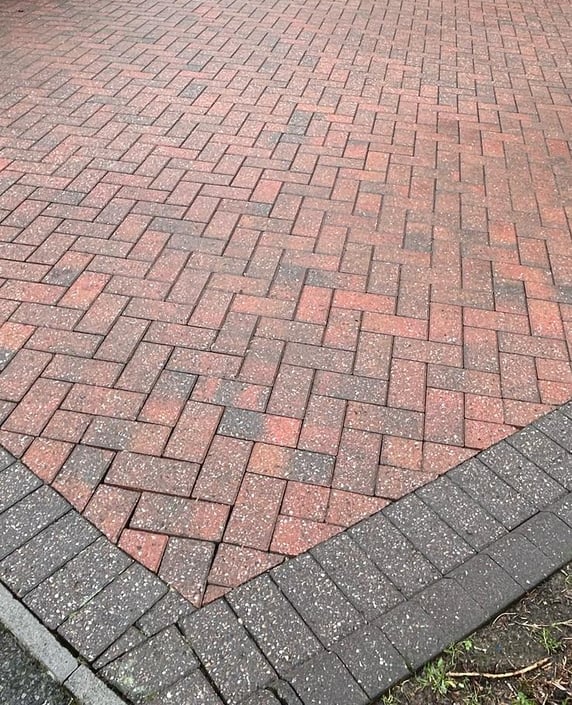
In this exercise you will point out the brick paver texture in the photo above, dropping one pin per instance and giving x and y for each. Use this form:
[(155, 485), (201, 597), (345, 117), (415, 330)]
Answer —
[(267, 265)]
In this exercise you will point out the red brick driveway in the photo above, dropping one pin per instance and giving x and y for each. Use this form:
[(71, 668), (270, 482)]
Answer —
[(268, 264)]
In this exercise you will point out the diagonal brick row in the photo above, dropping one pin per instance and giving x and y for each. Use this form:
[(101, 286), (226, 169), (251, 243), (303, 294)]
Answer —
[(265, 267)]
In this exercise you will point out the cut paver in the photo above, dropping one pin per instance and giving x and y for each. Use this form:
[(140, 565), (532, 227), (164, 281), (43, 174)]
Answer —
[(273, 622), (233, 660), (157, 664), (317, 599), (113, 610)]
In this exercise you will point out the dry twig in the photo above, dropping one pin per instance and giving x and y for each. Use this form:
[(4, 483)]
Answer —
[(531, 625), (498, 676)]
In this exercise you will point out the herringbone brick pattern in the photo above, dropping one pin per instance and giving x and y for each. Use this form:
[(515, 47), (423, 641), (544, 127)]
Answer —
[(268, 264)]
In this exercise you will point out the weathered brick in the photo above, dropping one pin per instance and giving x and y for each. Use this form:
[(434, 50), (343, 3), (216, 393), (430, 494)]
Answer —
[(76, 582), (279, 632), (150, 667), (232, 658), (317, 599), (185, 566), (15, 483), (393, 554), (22, 521), (47, 552), (100, 622)]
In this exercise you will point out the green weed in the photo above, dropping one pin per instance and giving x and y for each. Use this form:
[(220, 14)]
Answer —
[(435, 677), (549, 640), (523, 699)]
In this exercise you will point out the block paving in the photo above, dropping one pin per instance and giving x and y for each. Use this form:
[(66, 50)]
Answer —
[(267, 266), (337, 625)]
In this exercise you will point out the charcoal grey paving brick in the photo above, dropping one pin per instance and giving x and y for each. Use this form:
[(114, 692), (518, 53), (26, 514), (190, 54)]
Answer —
[(229, 654), (284, 693), (487, 583), (475, 525), (24, 520), (278, 630), (414, 633), (370, 592), (522, 474), (558, 425), (316, 598), (77, 582), (264, 697), (100, 622), (16, 482), (6, 459), (545, 453), (167, 611), (307, 466), (505, 504), (194, 689), (372, 660), (36, 560), (393, 554), (128, 641), (186, 564), (563, 509), (241, 423), (428, 533), (521, 559), (551, 535), (158, 663), (324, 680), (452, 608)]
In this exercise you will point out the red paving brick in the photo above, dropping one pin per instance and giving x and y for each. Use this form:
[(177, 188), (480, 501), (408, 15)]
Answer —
[(265, 267)]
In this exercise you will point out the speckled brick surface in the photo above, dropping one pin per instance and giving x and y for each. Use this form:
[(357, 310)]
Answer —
[(265, 270), (266, 266)]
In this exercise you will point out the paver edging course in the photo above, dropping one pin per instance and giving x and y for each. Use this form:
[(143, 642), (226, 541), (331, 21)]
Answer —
[(64, 668), (337, 625)]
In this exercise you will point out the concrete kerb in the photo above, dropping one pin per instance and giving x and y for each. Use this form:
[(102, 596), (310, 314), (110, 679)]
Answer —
[(337, 625), (62, 665)]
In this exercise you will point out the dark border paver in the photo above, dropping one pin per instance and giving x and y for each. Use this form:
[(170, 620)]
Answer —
[(44, 648)]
